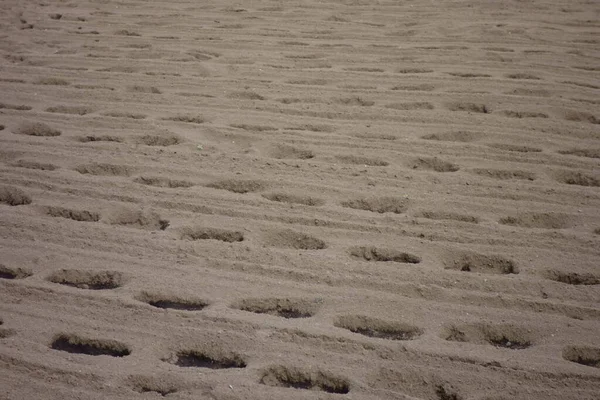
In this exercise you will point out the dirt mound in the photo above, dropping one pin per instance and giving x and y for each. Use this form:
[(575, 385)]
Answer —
[(581, 116), (238, 186), (418, 88), (572, 278), (163, 385), (77, 110), (577, 178), (522, 75), (76, 215), (35, 165), (515, 147), (294, 199), (99, 138), (481, 263), (383, 255), (254, 128), (502, 335), (14, 196), (52, 82), (203, 233), (450, 216), (589, 153), (458, 136), (288, 238), (15, 107), (37, 129), (120, 114), (433, 164), (359, 160), (14, 272), (505, 174), (538, 220), (160, 140), (87, 279), (246, 96), (388, 204), (190, 119), (469, 75), (292, 377), (5, 333), (144, 89), (523, 114), (281, 307), (414, 71), (162, 182), (410, 106), (354, 101), (469, 107), (142, 219), (377, 328), (291, 152), (104, 169)]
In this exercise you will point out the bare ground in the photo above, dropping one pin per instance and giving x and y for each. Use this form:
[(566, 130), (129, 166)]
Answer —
[(299, 200)]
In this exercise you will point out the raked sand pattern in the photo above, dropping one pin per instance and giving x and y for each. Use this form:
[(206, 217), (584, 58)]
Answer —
[(299, 199)]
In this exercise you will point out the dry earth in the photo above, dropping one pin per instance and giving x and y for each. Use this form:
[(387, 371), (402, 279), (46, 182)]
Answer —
[(299, 199)]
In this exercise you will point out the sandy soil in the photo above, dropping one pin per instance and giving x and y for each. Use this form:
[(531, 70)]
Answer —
[(299, 199)]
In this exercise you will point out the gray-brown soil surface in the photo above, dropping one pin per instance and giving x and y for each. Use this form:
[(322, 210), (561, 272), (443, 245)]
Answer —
[(266, 199)]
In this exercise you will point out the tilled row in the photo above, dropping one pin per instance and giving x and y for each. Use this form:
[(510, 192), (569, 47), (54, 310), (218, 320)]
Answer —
[(212, 356), (508, 336)]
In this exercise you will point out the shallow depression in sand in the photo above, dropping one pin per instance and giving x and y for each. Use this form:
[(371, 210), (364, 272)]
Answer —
[(72, 343)]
